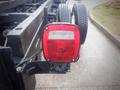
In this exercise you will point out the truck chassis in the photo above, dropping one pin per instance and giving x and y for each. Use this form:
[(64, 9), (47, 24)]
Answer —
[(21, 23), (21, 31)]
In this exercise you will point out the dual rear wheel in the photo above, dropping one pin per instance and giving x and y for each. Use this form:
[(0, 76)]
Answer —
[(80, 13)]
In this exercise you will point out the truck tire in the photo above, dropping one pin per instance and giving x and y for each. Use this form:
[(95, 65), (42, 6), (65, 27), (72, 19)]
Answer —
[(81, 20), (64, 13)]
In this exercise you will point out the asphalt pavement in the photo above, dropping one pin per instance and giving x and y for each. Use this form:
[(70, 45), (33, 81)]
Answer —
[(97, 69)]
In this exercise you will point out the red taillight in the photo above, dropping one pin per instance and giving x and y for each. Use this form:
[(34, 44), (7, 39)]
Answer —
[(61, 42)]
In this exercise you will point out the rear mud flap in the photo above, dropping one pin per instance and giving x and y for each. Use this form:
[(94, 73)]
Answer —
[(9, 78)]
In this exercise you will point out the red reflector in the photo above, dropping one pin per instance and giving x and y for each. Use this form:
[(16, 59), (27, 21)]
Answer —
[(61, 42)]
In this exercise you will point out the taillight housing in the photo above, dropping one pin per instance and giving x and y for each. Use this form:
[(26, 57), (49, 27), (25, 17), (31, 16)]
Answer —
[(61, 42)]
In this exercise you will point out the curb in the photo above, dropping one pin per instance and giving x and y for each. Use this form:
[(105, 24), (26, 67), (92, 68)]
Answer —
[(105, 30)]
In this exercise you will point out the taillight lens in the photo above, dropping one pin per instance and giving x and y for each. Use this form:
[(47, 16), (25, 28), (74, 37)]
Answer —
[(61, 42)]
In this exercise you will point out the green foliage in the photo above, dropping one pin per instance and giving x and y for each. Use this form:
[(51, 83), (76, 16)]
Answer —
[(108, 17)]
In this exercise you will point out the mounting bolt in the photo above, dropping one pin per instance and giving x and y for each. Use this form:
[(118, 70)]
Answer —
[(48, 59), (73, 59)]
